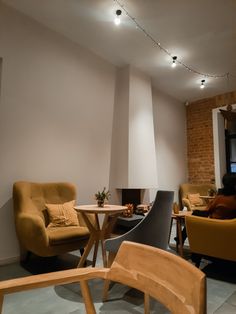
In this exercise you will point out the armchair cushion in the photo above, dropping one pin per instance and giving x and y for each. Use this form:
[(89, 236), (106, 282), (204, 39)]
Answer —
[(61, 235), (62, 215), (195, 199)]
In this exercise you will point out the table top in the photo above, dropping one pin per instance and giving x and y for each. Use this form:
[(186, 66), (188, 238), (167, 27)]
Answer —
[(100, 210), (182, 213), (207, 197)]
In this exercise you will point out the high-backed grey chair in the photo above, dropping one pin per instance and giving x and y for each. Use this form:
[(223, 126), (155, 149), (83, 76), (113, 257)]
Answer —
[(152, 230)]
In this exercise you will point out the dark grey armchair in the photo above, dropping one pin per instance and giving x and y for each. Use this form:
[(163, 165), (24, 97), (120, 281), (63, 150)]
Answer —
[(153, 230)]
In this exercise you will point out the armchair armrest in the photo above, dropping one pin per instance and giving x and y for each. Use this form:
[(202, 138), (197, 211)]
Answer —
[(186, 203), (31, 230)]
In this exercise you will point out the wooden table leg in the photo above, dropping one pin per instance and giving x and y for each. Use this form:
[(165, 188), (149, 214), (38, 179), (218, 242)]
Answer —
[(97, 234), (104, 229), (95, 252), (86, 251), (104, 255), (179, 231)]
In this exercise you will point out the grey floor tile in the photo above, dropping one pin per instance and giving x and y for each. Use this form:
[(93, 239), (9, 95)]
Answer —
[(226, 309), (232, 299), (39, 301)]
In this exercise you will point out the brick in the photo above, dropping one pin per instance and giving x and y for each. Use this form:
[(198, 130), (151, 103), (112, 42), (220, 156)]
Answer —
[(200, 136)]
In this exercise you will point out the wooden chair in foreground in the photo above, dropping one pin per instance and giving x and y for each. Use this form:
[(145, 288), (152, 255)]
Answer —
[(174, 282)]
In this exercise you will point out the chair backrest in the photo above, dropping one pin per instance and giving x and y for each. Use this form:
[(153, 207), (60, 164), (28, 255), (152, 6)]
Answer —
[(212, 237), (32, 197), (176, 283), (168, 278), (153, 229)]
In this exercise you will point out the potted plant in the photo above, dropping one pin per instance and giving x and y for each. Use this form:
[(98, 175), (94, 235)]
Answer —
[(102, 196), (211, 192)]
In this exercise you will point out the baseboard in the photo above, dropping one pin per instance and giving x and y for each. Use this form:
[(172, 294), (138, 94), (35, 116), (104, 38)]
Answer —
[(10, 260)]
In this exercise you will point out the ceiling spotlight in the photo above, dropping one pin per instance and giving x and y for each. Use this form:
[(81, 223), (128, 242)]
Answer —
[(117, 18), (174, 62), (202, 84)]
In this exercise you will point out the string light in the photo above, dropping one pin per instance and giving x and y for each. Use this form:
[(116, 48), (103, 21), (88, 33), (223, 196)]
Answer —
[(162, 48), (117, 18), (174, 62), (202, 84)]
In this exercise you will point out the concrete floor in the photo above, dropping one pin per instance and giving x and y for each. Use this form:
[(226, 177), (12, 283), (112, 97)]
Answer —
[(66, 299)]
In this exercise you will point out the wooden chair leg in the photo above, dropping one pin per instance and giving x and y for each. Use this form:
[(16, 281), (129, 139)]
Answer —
[(1, 302), (146, 303), (111, 257), (89, 306), (171, 224)]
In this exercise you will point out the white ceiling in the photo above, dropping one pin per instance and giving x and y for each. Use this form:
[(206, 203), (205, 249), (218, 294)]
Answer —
[(202, 33)]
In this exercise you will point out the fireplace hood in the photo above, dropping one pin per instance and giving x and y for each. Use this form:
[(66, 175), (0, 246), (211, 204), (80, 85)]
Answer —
[(133, 157)]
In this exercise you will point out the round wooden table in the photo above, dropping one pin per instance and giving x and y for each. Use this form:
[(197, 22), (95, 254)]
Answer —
[(97, 232), (207, 198)]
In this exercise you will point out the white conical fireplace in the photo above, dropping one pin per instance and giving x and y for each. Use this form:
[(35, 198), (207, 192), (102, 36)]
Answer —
[(133, 162)]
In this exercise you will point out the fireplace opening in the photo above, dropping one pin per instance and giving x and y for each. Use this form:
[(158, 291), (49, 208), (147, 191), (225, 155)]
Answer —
[(131, 196)]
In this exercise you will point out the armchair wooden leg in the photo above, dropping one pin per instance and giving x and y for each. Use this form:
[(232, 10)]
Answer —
[(196, 258), (111, 257), (24, 255)]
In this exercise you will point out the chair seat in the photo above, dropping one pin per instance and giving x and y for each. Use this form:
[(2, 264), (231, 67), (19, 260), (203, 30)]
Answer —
[(62, 235)]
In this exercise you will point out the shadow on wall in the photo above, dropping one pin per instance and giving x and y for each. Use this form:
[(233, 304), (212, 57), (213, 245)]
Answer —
[(9, 247)]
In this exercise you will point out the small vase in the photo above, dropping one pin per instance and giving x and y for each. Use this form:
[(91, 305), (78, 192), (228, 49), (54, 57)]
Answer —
[(100, 203)]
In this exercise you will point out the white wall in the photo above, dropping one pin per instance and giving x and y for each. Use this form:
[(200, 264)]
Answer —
[(171, 145), (55, 115)]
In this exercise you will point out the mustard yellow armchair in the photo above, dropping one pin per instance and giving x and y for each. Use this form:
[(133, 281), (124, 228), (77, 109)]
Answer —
[(212, 237), (187, 189), (31, 219)]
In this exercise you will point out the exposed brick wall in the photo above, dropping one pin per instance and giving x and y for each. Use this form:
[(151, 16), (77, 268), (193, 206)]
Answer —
[(200, 136)]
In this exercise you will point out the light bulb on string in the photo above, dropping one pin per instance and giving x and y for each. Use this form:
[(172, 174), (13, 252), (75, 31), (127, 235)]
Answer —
[(173, 65), (117, 18), (202, 84), (165, 50)]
